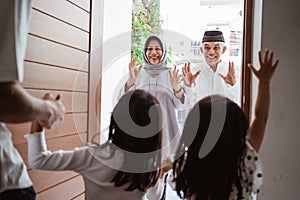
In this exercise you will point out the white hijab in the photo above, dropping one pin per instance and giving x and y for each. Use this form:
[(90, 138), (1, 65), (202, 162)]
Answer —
[(155, 69)]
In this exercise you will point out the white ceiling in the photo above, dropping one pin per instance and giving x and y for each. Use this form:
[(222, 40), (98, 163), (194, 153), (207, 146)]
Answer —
[(219, 2)]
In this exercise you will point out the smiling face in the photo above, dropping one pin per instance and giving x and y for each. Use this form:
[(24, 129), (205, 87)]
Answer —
[(212, 52), (154, 52)]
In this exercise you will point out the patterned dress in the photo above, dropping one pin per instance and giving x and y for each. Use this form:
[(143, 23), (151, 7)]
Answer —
[(251, 177)]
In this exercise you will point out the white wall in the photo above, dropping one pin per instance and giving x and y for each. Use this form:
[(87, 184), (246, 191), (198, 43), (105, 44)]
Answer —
[(116, 53), (280, 150)]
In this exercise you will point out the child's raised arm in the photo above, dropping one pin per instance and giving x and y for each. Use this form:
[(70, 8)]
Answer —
[(264, 74)]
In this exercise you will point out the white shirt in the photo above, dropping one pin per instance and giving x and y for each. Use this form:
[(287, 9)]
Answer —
[(13, 172), (89, 161), (209, 82)]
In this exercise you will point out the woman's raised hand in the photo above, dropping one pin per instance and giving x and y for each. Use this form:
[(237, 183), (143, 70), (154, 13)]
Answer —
[(133, 73), (175, 78)]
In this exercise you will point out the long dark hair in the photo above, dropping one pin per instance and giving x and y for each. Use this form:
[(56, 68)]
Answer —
[(211, 177), (135, 127)]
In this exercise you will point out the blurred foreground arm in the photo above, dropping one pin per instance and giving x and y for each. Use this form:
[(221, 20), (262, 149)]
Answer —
[(18, 106)]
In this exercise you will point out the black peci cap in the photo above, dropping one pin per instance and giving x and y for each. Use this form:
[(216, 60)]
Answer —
[(213, 36)]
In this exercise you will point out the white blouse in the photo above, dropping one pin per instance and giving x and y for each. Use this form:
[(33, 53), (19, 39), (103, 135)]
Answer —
[(89, 161)]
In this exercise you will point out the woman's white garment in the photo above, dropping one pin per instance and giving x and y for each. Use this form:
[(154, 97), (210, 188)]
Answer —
[(160, 87), (87, 161), (156, 192)]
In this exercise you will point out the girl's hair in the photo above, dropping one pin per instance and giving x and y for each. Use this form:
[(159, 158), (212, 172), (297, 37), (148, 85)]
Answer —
[(211, 177), (135, 127)]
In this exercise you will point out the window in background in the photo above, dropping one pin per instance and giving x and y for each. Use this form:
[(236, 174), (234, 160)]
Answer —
[(184, 23)]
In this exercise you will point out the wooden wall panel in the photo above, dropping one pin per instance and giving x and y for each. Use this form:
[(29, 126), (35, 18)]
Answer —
[(74, 102), (72, 124), (40, 76), (53, 29), (42, 180), (47, 52), (64, 191), (80, 197), (74, 15), (84, 4)]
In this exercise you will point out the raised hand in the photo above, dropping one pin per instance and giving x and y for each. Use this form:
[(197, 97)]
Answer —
[(175, 78), (230, 77), (187, 75), (57, 111), (133, 73), (267, 68), (261, 111)]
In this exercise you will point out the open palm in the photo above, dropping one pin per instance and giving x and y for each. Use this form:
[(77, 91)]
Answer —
[(187, 75), (230, 78), (267, 68)]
